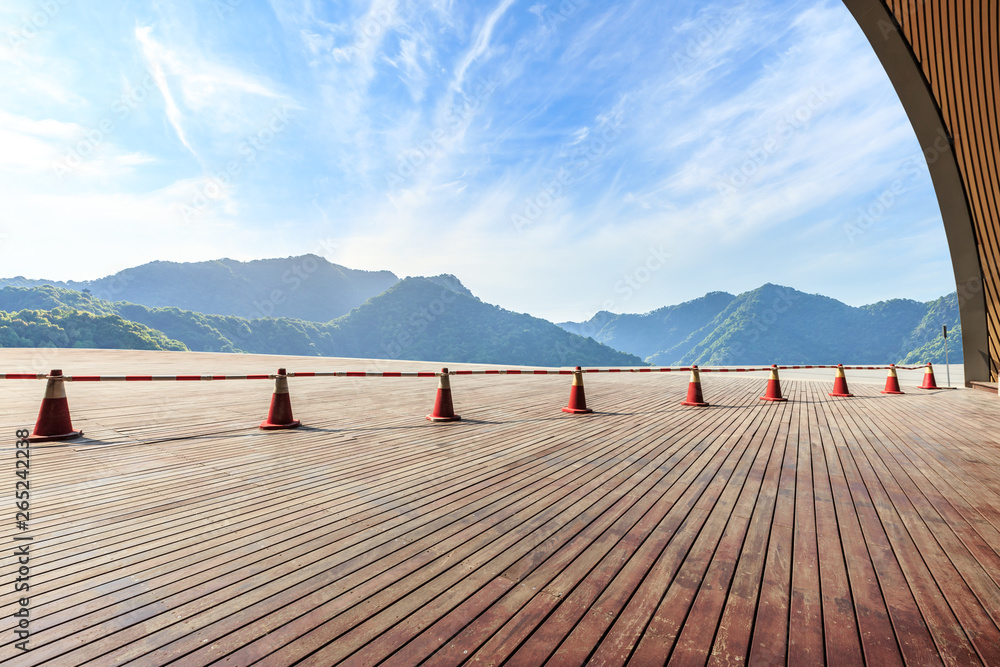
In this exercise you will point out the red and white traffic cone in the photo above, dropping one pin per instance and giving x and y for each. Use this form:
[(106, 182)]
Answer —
[(443, 411), (53, 421), (929, 382), (892, 382), (577, 397), (773, 392), (280, 414), (840, 383), (694, 396)]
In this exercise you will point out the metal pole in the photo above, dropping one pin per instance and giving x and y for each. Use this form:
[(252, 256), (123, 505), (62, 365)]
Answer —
[(947, 368)]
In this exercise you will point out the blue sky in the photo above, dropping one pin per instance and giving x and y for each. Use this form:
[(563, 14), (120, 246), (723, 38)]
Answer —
[(560, 158)]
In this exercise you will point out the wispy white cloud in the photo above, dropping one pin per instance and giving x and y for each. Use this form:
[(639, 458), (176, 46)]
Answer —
[(213, 96), (156, 56), (408, 62), (481, 46), (421, 128), (811, 122)]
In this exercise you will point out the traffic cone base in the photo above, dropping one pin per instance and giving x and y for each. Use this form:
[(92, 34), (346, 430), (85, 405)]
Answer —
[(267, 426), (453, 418), (54, 422), (840, 384), (892, 382), (577, 396), (694, 395), (444, 410), (279, 416), (55, 438)]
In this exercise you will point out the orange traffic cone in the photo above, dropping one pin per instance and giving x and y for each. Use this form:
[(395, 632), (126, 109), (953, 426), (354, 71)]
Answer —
[(53, 421), (577, 398), (280, 414), (773, 392), (929, 382), (840, 383), (694, 396), (892, 382), (443, 411)]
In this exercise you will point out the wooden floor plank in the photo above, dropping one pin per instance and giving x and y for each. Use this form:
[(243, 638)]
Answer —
[(842, 638), (694, 638), (822, 530), (913, 639), (805, 612), (636, 594), (928, 567), (582, 581), (764, 627), (732, 580)]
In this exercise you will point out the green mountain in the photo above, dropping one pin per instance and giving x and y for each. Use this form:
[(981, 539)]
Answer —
[(438, 319), (307, 287), (428, 319), (941, 311), (927, 341), (775, 324), (418, 318), (934, 351), (661, 329), (65, 327)]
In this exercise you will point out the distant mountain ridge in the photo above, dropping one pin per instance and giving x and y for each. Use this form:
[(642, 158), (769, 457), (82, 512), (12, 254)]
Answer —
[(307, 305), (425, 319), (775, 324), (306, 287), (661, 329)]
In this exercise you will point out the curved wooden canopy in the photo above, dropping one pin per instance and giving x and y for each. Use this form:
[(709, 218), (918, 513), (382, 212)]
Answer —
[(943, 57)]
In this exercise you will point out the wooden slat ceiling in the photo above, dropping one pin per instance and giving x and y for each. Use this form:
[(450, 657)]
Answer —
[(957, 47)]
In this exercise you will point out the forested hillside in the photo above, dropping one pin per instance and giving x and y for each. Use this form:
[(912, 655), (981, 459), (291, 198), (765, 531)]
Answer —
[(775, 324), (433, 319), (306, 287)]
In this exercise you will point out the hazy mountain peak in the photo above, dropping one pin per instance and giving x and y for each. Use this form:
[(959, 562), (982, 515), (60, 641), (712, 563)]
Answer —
[(306, 287), (449, 281)]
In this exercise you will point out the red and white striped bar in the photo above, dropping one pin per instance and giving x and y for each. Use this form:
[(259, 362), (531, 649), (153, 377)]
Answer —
[(512, 371), (133, 378), (735, 370), (761, 369), (426, 374), (682, 369), (163, 378), (366, 374)]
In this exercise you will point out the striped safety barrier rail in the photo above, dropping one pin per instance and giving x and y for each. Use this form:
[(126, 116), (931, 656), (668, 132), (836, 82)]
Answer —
[(429, 374), (54, 422)]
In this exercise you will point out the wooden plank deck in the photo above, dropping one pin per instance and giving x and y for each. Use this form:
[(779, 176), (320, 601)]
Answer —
[(821, 530)]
